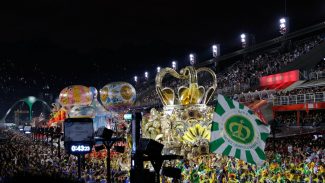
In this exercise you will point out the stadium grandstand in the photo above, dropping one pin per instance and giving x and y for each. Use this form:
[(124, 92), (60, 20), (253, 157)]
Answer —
[(287, 71)]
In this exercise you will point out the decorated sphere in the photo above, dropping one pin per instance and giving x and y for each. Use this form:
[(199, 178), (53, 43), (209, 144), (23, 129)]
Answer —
[(117, 95), (75, 95)]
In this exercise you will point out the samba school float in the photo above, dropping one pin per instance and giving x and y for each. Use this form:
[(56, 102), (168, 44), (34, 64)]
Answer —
[(183, 125)]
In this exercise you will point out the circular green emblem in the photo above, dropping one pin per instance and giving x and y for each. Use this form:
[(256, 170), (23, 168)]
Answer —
[(240, 129)]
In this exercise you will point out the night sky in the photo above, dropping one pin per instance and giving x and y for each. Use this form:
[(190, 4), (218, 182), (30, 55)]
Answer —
[(56, 43)]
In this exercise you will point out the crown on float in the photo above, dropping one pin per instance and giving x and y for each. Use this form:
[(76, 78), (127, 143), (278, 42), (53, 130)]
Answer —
[(189, 94)]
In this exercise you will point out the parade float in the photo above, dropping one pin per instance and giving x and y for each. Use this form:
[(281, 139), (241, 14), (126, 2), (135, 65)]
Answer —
[(117, 98), (183, 125)]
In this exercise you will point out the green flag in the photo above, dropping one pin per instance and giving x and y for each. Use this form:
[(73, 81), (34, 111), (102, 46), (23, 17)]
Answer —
[(237, 132)]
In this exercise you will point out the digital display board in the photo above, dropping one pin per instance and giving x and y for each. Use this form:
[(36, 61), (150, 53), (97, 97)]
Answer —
[(78, 135)]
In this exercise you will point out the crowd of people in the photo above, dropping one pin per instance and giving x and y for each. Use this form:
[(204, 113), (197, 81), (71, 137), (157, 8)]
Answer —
[(311, 118), (294, 159), (23, 158), (243, 75), (290, 159)]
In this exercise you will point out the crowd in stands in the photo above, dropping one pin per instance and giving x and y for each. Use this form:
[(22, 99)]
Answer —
[(311, 118), (299, 91), (243, 75)]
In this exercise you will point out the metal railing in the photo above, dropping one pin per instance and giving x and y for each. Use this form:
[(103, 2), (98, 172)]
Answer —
[(316, 75), (300, 99)]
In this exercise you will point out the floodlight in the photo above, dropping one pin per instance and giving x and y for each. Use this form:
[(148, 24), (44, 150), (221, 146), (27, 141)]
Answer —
[(192, 59), (282, 20), (174, 65)]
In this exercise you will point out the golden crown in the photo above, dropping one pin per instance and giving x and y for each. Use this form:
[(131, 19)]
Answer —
[(187, 95)]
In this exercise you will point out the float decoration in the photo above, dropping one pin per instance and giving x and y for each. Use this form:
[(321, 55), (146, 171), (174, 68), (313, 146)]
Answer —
[(117, 95), (185, 122), (75, 95)]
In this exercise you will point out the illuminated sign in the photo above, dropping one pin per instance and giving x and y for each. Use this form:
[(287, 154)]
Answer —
[(128, 117), (78, 135), (280, 79)]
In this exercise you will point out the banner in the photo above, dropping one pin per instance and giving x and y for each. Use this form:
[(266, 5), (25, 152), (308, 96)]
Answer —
[(237, 132)]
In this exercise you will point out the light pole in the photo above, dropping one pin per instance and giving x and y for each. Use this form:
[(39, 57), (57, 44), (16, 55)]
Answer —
[(30, 101)]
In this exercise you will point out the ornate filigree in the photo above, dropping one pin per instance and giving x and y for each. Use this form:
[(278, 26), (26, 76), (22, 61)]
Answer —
[(184, 124), (190, 94)]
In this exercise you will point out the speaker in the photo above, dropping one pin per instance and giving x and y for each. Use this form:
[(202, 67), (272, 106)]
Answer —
[(150, 147), (104, 133)]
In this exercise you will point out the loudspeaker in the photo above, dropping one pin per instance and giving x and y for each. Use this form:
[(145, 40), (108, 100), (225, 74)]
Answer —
[(150, 147), (104, 133)]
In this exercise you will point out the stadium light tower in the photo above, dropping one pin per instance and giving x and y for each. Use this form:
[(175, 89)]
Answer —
[(192, 59), (283, 25), (146, 75), (215, 50), (135, 78), (174, 65), (243, 40), (158, 69)]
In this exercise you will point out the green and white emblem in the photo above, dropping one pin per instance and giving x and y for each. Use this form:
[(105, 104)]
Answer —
[(237, 132)]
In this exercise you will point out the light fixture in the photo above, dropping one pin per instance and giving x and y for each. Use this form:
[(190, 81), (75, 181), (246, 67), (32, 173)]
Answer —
[(146, 75), (136, 78), (192, 59), (158, 69), (215, 50), (283, 26), (174, 65), (243, 40)]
